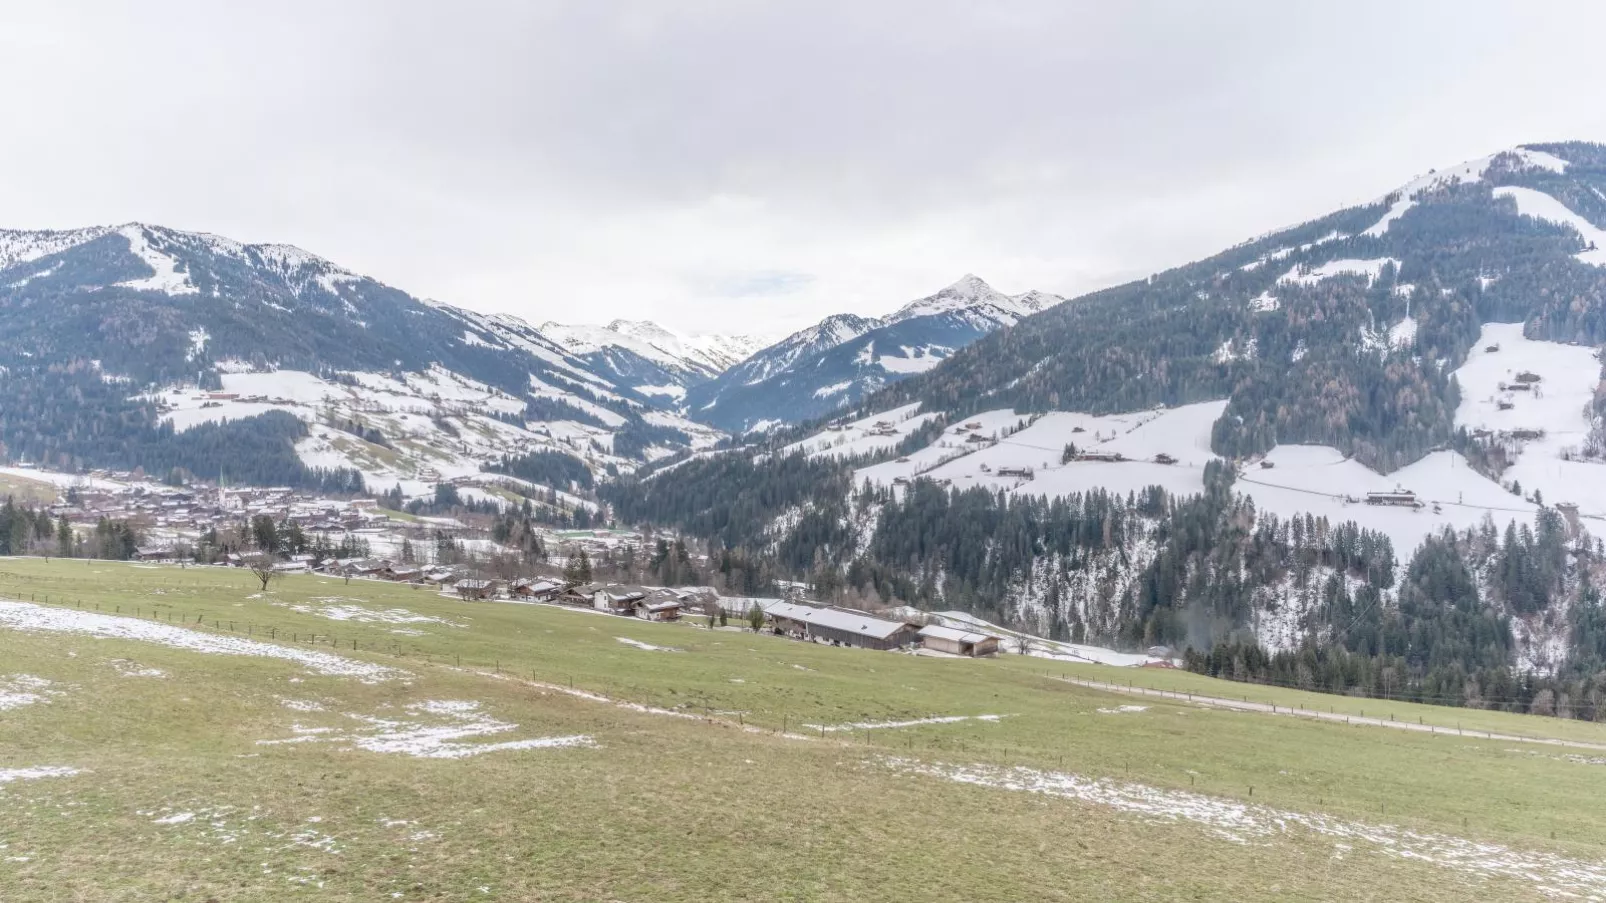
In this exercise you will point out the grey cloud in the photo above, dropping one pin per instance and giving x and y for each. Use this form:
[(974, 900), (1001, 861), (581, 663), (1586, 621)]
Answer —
[(670, 160)]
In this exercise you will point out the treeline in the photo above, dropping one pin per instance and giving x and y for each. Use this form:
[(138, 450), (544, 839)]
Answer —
[(1448, 638), (549, 468), (29, 530), (732, 498), (69, 418)]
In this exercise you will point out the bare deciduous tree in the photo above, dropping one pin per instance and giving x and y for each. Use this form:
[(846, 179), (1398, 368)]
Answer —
[(262, 567)]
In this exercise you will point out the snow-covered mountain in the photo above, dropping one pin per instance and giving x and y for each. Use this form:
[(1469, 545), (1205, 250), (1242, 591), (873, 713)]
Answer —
[(835, 362), (140, 345), (656, 360)]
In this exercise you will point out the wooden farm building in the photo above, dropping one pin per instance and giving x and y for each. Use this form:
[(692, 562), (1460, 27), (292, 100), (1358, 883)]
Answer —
[(476, 589), (839, 626), (958, 642)]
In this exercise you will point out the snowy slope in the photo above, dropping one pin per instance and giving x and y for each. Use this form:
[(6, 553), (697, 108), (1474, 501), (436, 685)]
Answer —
[(838, 361), (1557, 406), (693, 358), (1470, 171), (1542, 206)]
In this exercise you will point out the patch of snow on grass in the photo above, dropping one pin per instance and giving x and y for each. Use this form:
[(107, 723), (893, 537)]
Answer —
[(1243, 823), (433, 729), (128, 668), (19, 690), (892, 725), (336, 608), (647, 646), (7, 775), (31, 618), (1124, 710)]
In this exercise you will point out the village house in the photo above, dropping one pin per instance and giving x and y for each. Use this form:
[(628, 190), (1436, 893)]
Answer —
[(957, 642), (476, 589), (535, 590)]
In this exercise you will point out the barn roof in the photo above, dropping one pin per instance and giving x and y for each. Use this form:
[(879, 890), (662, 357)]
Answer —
[(951, 634), (836, 619)]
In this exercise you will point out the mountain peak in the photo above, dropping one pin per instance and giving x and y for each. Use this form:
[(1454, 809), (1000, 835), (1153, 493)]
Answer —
[(970, 285)]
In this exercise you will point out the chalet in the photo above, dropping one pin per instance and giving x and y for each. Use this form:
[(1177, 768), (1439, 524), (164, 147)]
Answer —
[(292, 567), (1526, 435), (1267, 465), (153, 553), (1491, 349), (973, 425), (1398, 498), (1516, 387), (657, 606), (1025, 472), (975, 437), (957, 642), (1107, 457), (1504, 405), (402, 573), (534, 590), (476, 589), (620, 600), (1528, 377), (839, 627), (900, 481), (1163, 458)]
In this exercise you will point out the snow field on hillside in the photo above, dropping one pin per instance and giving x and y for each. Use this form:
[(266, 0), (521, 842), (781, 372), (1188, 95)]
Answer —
[(1183, 433), (953, 443), (413, 413), (1542, 206), (863, 436), (1470, 171), (1557, 405), (1371, 269)]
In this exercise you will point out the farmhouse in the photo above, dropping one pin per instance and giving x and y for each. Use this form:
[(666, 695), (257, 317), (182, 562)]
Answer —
[(839, 626), (535, 590), (1015, 472), (476, 589), (620, 600), (1400, 498), (957, 642)]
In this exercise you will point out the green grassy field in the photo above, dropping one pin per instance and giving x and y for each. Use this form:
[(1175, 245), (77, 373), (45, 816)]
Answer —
[(741, 797)]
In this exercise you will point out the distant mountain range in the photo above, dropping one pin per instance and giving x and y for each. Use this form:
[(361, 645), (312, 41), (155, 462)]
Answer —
[(112, 335), (835, 363), (656, 360)]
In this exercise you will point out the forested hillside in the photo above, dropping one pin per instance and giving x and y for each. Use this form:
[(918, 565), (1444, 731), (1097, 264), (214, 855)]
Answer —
[(1339, 331), (1346, 331), (96, 322)]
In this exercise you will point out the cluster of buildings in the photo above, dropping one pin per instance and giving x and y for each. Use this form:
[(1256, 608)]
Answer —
[(155, 508)]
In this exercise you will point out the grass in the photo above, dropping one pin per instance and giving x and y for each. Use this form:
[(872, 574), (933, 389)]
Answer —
[(24, 489), (687, 808)]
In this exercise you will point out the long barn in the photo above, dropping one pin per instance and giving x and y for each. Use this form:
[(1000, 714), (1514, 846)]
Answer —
[(840, 626)]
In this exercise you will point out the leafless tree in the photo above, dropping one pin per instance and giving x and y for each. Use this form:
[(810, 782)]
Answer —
[(262, 567)]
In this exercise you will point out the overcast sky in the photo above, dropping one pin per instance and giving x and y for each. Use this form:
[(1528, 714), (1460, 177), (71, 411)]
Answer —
[(731, 166)]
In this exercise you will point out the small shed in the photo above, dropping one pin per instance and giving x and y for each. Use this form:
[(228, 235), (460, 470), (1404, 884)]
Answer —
[(958, 642)]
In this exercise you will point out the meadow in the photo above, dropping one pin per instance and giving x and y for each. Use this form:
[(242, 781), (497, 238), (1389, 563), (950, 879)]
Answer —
[(178, 734)]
